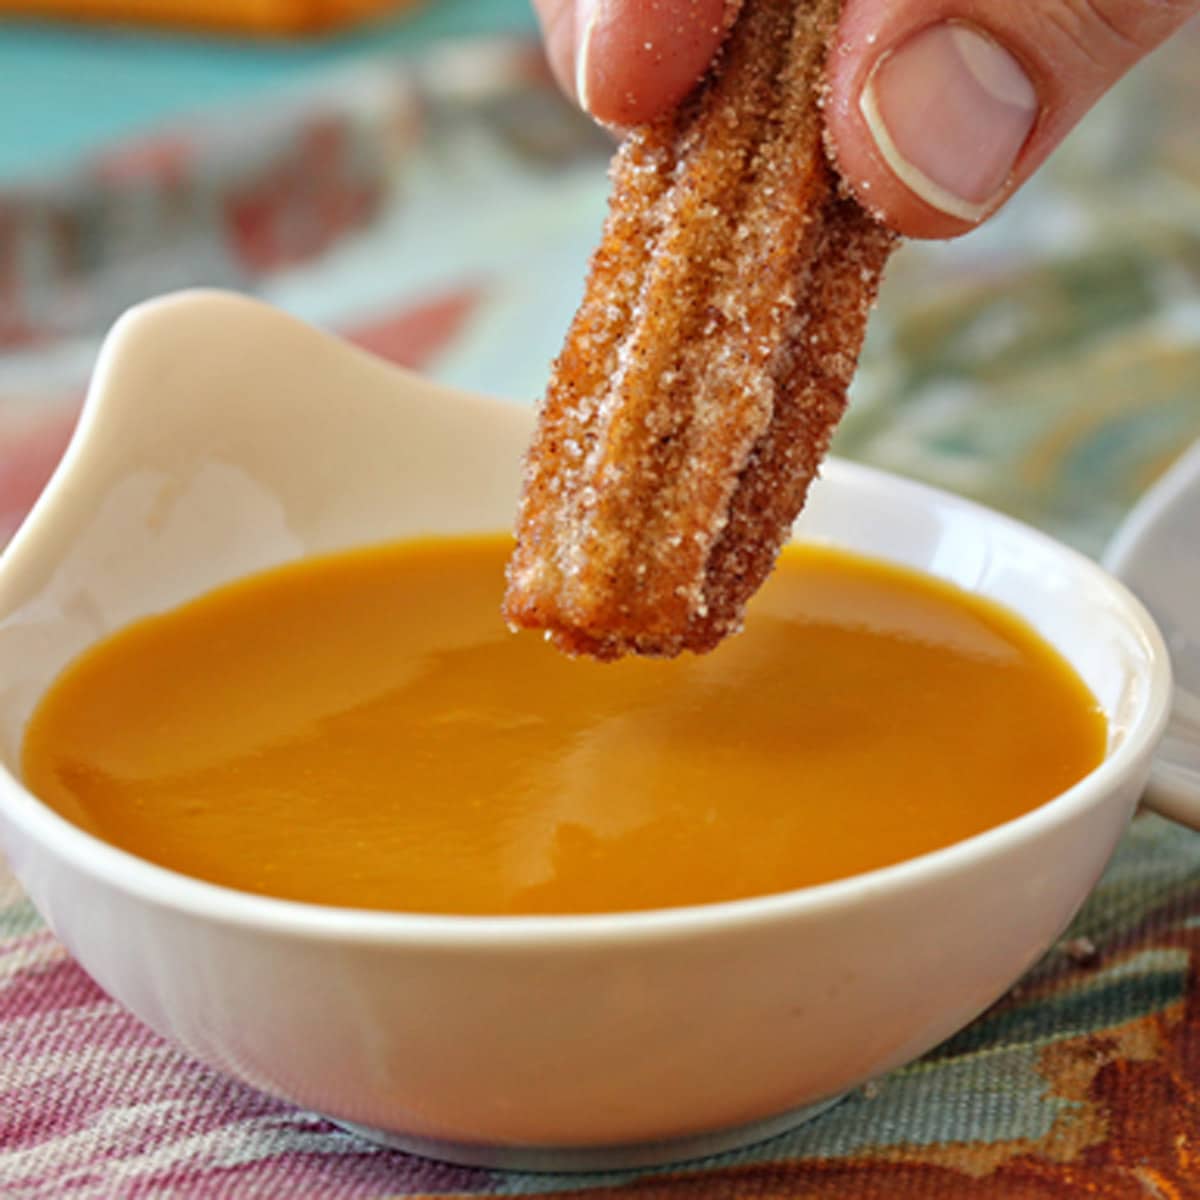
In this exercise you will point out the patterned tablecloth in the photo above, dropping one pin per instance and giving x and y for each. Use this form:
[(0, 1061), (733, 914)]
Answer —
[(441, 215)]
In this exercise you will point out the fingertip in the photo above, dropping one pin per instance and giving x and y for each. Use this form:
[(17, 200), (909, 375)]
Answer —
[(855, 151), (641, 60), (965, 99), (869, 179)]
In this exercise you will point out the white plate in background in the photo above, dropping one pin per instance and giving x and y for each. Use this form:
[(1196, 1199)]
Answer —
[(1157, 553)]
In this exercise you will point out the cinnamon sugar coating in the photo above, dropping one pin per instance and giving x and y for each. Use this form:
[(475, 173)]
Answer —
[(707, 366)]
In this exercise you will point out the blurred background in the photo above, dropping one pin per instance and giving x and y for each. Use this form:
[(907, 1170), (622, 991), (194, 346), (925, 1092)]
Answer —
[(404, 173)]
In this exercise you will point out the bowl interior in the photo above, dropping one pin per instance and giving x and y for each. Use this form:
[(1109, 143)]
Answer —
[(221, 437)]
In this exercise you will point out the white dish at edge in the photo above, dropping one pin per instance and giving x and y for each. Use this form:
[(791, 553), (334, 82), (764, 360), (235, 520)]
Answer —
[(1157, 553)]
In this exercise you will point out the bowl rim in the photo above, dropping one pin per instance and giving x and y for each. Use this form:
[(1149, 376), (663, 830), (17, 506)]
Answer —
[(164, 887)]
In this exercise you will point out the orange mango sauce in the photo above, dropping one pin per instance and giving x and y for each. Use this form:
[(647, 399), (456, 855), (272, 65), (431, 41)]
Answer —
[(361, 730)]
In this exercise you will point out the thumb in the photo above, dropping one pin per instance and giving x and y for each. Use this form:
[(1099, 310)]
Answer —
[(940, 109)]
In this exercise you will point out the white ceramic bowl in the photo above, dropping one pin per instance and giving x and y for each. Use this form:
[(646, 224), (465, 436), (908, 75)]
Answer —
[(221, 437)]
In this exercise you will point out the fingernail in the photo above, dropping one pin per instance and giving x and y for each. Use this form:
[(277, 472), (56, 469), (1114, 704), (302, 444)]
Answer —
[(587, 14), (950, 110)]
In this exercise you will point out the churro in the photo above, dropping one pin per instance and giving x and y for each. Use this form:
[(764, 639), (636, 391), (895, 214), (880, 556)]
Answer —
[(707, 366)]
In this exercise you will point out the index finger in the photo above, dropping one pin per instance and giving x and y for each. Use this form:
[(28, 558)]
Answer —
[(626, 61)]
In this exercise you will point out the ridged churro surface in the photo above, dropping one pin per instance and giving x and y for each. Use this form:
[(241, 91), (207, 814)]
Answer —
[(707, 366)]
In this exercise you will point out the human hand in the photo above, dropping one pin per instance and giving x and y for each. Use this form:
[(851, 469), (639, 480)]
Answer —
[(938, 109)]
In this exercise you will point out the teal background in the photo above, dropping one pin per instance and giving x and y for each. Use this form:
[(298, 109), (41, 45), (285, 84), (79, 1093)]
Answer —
[(65, 91)]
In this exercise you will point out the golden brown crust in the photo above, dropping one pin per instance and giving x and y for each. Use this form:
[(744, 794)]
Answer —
[(708, 363)]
